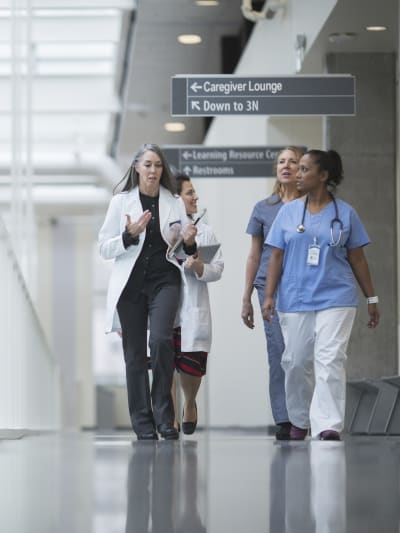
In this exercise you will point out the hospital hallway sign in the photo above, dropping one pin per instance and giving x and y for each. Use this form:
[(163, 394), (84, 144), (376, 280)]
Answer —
[(196, 95), (199, 161)]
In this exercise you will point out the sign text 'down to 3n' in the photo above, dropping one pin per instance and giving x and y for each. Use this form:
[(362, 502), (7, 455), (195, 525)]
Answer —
[(198, 95)]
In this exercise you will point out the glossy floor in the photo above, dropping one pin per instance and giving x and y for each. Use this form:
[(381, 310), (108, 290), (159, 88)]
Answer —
[(213, 481)]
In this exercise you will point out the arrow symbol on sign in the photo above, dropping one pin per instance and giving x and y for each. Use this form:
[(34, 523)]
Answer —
[(186, 154), (195, 105), (187, 170), (195, 86)]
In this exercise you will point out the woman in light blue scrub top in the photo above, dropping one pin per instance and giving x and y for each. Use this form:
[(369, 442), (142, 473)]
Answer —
[(264, 213), (316, 260)]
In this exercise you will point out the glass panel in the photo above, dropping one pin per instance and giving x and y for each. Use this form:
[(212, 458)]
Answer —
[(99, 50), (73, 68), (75, 52)]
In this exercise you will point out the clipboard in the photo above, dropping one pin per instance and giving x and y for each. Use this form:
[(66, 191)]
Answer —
[(207, 252)]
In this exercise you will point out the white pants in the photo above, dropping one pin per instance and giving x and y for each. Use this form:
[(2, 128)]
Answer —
[(315, 352)]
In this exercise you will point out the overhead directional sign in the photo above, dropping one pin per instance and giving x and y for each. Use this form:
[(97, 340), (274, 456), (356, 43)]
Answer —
[(196, 95), (199, 161)]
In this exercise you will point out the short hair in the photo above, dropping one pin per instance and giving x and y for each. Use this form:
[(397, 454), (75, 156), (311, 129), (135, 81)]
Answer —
[(180, 178)]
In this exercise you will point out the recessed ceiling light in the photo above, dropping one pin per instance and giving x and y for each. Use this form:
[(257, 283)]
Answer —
[(376, 28), (189, 38), (207, 3), (174, 127)]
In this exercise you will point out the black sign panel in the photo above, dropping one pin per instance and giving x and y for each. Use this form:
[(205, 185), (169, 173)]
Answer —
[(199, 161), (197, 95)]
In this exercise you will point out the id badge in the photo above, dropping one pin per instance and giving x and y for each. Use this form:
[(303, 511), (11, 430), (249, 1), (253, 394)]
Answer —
[(313, 255)]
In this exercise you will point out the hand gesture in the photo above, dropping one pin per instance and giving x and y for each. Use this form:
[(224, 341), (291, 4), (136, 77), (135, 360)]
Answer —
[(137, 227)]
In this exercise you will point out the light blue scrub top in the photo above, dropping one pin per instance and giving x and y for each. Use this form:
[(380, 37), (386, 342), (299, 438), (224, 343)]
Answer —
[(260, 222), (330, 284)]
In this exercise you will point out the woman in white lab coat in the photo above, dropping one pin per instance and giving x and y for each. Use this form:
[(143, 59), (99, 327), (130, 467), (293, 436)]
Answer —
[(193, 338), (143, 221)]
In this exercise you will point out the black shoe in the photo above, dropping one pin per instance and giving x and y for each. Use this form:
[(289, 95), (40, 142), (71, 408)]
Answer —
[(283, 433), (147, 435), (168, 432), (189, 428)]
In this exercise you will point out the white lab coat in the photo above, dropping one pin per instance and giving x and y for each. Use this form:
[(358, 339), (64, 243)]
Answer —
[(171, 209), (195, 316)]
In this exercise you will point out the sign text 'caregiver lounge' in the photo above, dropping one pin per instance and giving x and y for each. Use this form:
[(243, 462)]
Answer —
[(196, 95)]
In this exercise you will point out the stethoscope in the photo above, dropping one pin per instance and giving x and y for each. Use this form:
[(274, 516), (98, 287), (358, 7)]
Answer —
[(301, 229)]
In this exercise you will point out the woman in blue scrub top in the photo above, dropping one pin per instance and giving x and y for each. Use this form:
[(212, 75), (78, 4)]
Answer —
[(317, 258), (264, 212)]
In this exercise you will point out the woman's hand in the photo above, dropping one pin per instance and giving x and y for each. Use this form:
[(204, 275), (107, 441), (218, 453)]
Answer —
[(268, 308), (137, 227), (248, 314), (373, 316), (359, 265), (189, 233), (195, 263)]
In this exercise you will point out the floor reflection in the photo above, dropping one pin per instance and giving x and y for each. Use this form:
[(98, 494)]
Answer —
[(373, 485), (328, 486), (307, 492), (219, 482), (189, 516), (290, 487), (163, 489)]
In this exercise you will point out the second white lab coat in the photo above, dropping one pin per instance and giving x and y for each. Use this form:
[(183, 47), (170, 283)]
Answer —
[(195, 314)]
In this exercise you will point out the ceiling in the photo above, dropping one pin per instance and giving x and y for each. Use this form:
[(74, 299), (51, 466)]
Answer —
[(345, 30), (59, 62), (157, 56), (102, 71)]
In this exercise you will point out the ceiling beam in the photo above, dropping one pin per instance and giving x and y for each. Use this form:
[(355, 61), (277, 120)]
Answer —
[(75, 4)]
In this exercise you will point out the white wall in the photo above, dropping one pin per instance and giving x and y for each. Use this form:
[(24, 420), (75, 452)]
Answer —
[(29, 371), (237, 385), (64, 302)]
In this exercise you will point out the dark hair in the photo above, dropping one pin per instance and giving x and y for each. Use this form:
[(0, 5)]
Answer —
[(278, 185), (329, 162), (180, 177), (131, 178)]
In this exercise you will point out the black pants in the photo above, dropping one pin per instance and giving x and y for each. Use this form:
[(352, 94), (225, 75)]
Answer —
[(154, 307)]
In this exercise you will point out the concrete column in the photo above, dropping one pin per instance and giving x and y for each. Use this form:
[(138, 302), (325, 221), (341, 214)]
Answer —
[(367, 144)]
